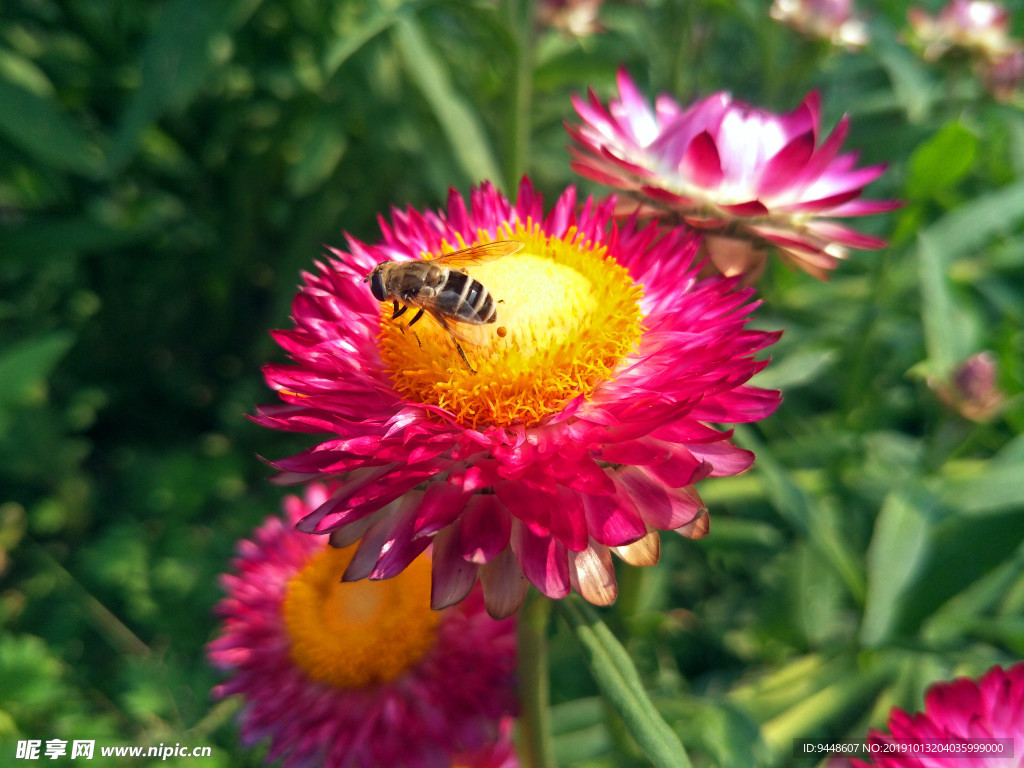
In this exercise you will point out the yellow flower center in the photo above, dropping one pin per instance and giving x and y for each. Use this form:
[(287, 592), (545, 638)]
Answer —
[(567, 316), (353, 635)]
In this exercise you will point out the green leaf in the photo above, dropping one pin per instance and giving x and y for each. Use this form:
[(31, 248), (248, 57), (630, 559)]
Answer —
[(914, 90), (321, 145), (803, 366), (580, 730), (797, 508), (175, 63), (974, 224), (998, 488), (895, 558), (36, 124), (941, 161), (428, 71), (944, 339), (963, 549), (351, 41), (621, 685), (25, 367)]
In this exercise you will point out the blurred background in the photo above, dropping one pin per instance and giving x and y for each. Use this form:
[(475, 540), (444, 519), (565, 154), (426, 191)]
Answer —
[(167, 169)]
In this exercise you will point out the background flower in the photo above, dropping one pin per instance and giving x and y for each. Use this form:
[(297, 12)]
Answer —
[(579, 433), (989, 708), (830, 20), (737, 171), (364, 674), (978, 30)]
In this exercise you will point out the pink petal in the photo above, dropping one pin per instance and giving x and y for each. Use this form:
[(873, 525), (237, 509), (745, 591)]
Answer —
[(662, 507), (724, 457), (451, 577), (613, 520), (568, 521), (370, 546), (866, 207), (840, 234), (484, 529), (442, 504), (701, 164), (778, 173), (533, 506), (750, 208), (544, 561)]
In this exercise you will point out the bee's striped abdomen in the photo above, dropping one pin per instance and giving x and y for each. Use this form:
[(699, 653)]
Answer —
[(466, 299)]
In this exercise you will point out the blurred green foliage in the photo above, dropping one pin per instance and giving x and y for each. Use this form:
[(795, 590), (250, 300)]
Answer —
[(168, 168)]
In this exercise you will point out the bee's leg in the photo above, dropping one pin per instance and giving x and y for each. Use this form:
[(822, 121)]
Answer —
[(415, 317), (462, 352), (464, 358), (399, 312)]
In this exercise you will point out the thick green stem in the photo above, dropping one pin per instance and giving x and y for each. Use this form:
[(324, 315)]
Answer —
[(534, 740)]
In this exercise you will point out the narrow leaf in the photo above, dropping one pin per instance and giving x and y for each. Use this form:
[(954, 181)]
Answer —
[(895, 558), (36, 124), (428, 71), (945, 342), (349, 42), (621, 685), (974, 224)]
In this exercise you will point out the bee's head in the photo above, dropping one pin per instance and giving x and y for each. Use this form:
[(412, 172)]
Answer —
[(376, 280)]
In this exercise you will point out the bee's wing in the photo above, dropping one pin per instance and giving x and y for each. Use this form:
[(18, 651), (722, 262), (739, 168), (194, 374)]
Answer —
[(479, 254), (468, 333)]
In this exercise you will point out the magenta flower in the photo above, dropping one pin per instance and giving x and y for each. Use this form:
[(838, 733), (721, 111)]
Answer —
[(741, 173), (990, 708), (1003, 74), (574, 18), (575, 429), (342, 675), (829, 20), (975, 27), (978, 30), (973, 389)]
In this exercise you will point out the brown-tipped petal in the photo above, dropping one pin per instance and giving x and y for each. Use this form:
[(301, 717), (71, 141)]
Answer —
[(646, 551), (697, 528), (733, 256), (504, 585), (593, 575)]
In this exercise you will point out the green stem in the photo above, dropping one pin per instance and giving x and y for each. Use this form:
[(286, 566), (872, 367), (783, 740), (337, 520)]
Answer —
[(521, 13), (535, 744)]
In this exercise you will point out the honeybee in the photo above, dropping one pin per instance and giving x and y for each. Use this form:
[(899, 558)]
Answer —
[(442, 289)]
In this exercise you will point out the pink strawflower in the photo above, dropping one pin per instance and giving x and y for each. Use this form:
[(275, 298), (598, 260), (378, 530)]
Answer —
[(990, 708), (973, 389), (975, 30), (742, 173), (575, 429), (829, 20), (976, 27), (357, 675), (1003, 73), (575, 18)]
